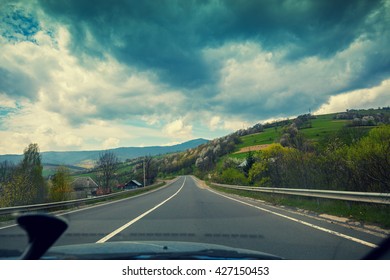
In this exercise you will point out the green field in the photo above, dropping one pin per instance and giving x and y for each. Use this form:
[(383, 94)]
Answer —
[(50, 169), (89, 174), (123, 169), (239, 155), (322, 126), (270, 135)]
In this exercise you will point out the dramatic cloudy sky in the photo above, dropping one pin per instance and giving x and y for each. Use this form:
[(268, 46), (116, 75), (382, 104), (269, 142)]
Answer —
[(80, 74)]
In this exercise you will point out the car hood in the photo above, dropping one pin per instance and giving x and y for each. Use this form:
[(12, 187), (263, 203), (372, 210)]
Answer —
[(153, 250)]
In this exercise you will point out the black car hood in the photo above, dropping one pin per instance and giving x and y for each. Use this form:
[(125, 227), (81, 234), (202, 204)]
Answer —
[(152, 250)]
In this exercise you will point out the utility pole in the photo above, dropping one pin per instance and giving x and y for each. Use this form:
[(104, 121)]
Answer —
[(144, 173)]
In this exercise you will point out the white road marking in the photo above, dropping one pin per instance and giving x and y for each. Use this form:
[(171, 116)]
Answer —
[(8, 226), (302, 222), (102, 204), (115, 201), (115, 232)]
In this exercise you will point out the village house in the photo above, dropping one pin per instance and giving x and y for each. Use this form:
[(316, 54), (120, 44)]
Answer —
[(132, 184), (84, 187)]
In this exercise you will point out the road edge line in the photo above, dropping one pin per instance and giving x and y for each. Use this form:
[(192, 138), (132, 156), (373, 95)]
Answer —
[(372, 245)]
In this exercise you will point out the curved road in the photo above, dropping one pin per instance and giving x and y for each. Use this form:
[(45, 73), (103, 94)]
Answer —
[(186, 211)]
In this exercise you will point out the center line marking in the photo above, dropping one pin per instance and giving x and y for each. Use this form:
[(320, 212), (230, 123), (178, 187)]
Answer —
[(115, 232)]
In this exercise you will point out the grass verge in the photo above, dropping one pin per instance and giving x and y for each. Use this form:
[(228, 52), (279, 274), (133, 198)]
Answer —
[(375, 214)]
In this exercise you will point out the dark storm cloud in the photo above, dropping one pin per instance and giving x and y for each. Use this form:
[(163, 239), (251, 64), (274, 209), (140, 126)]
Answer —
[(315, 27), (151, 35), (168, 36)]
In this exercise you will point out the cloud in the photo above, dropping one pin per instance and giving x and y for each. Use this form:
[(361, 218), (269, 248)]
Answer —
[(153, 35), (178, 130), (15, 83), (111, 142), (6, 101), (378, 96), (214, 122), (253, 59), (97, 89), (32, 123), (256, 83), (152, 72), (168, 37)]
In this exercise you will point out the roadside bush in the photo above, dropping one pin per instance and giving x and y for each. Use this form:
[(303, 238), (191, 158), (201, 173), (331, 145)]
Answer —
[(370, 161), (233, 176)]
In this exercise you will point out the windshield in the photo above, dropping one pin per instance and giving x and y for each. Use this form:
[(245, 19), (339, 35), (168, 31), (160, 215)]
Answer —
[(253, 125)]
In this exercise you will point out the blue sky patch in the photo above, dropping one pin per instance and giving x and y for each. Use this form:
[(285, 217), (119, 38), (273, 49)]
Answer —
[(17, 25)]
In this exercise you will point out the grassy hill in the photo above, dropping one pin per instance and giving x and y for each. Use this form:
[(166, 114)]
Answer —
[(50, 169), (321, 127)]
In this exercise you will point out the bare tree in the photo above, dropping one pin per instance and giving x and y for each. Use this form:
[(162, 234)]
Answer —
[(106, 166)]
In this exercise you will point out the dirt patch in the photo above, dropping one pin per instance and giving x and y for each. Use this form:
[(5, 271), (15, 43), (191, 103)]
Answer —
[(253, 148), (334, 218), (201, 184)]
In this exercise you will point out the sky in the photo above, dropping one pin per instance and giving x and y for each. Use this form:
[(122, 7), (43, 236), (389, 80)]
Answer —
[(86, 75)]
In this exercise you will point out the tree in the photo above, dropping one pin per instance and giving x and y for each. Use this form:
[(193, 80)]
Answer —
[(250, 160), (106, 167), (268, 170), (370, 161), (292, 137), (6, 169), (32, 168), (26, 184), (60, 188), (150, 170)]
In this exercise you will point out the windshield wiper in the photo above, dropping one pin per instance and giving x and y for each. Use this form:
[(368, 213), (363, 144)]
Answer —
[(43, 230)]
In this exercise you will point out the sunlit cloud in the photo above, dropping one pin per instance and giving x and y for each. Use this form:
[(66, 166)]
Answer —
[(178, 129), (358, 99)]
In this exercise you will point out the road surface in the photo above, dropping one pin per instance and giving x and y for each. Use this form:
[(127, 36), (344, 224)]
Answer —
[(186, 211)]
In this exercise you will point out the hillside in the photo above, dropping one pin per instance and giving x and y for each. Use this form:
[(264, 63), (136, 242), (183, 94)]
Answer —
[(86, 158), (321, 126), (317, 130), (307, 135)]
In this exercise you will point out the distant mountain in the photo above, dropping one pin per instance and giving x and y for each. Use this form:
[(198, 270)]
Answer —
[(83, 157)]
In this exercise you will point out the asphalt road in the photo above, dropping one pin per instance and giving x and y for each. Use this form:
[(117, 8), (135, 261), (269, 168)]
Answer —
[(186, 211)]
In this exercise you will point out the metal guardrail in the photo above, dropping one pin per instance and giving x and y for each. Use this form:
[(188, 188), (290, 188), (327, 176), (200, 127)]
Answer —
[(368, 197), (75, 202)]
